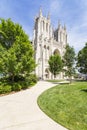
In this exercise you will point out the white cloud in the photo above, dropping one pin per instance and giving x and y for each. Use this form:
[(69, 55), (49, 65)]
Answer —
[(78, 33), (77, 38)]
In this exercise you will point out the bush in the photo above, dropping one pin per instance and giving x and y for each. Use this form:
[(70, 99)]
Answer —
[(5, 89), (16, 78), (32, 79), (7, 86), (0, 83), (24, 84), (16, 87), (1, 90)]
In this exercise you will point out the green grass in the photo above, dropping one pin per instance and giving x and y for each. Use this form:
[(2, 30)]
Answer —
[(67, 105), (54, 80)]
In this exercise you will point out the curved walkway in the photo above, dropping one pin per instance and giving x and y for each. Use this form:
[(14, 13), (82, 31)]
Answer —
[(20, 111)]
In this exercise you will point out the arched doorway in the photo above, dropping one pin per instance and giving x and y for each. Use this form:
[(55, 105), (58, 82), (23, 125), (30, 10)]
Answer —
[(56, 52)]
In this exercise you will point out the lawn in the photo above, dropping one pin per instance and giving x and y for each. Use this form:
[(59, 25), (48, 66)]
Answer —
[(66, 104), (54, 80)]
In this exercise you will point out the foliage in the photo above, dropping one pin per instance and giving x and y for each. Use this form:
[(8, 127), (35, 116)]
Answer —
[(9, 32), (20, 82), (32, 78), (2, 51), (5, 89), (82, 60), (69, 61), (16, 58), (24, 84), (67, 105), (16, 87), (16, 53), (55, 64)]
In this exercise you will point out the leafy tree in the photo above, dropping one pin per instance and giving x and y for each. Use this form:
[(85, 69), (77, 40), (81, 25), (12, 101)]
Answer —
[(16, 53), (82, 60), (69, 61), (9, 32), (2, 52), (55, 64)]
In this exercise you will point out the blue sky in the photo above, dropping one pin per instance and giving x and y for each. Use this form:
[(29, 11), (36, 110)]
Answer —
[(73, 13)]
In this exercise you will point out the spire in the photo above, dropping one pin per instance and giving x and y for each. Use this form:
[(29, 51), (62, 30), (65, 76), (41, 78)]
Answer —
[(64, 27), (48, 16), (59, 24), (40, 12)]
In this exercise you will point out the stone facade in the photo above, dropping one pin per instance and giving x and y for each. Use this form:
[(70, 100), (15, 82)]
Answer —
[(46, 42)]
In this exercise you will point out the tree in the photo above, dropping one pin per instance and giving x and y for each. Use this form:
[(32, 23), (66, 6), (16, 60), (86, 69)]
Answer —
[(82, 60), (55, 64), (16, 53), (9, 32), (69, 61), (2, 52)]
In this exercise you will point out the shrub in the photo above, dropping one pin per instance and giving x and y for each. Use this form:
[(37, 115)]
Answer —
[(32, 79), (0, 83), (5, 89), (16, 87), (7, 86), (16, 78), (1, 91), (24, 84)]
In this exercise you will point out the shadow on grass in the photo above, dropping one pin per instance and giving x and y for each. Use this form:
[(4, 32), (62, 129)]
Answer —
[(84, 90), (81, 80)]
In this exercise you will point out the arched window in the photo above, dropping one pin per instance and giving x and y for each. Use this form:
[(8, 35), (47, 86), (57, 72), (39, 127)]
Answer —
[(48, 47), (45, 46), (47, 27), (48, 52), (45, 52), (40, 51)]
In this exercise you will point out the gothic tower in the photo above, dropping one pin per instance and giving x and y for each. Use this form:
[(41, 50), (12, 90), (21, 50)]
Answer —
[(46, 42)]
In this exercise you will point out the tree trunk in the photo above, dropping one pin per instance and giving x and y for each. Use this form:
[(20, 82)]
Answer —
[(54, 76), (12, 77)]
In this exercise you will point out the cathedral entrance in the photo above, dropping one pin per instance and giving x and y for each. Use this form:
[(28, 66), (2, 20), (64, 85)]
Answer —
[(47, 73), (56, 52)]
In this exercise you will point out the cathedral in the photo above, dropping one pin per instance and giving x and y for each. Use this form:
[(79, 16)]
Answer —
[(46, 42)]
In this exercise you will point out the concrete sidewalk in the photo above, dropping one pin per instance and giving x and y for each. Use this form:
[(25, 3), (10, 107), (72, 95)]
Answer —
[(20, 111)]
